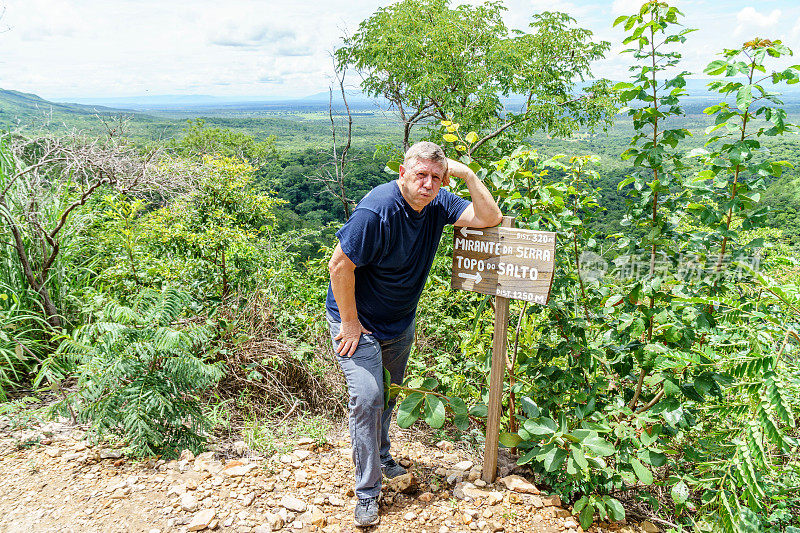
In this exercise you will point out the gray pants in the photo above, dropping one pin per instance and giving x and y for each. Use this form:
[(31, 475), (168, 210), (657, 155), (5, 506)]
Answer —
[(368, 421)]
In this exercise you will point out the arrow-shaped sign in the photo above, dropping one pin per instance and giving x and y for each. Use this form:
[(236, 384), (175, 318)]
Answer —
[(465, 232), (474, 277)]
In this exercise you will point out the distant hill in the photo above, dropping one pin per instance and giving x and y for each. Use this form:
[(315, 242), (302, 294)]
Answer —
[(297, 124), (30, 102), (18, 107), (203, 103)]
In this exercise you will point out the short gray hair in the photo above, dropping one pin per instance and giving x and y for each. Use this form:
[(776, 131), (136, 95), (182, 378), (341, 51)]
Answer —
[(427, 151)]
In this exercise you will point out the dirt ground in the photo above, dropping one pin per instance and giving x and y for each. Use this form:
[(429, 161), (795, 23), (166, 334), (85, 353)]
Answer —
[(53, 480)]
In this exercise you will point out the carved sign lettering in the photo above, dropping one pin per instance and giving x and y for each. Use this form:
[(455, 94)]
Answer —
[(508, 262)]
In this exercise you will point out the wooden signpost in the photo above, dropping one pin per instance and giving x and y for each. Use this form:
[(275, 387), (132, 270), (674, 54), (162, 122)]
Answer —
[(510, 264)]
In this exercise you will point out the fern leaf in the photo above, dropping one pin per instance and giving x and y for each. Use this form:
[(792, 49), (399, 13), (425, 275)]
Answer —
[(771, 430), (779, 404), (748, 468), (755, 443), (728, 518)]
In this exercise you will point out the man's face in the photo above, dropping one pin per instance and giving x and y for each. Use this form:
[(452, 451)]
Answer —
[(420, 181)]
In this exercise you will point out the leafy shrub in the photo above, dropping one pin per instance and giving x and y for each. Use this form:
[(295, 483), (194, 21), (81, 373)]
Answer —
[(213, 237), (675, 364), (138, 374)]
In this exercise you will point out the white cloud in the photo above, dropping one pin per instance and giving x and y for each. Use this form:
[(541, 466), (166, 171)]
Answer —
[(254, 36), (577, 11), (796, 30), (750, 21), (626, 7), (277, 48)]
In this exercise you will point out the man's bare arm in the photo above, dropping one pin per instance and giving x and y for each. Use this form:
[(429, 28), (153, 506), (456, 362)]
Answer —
[(343, 285), (483, 211)]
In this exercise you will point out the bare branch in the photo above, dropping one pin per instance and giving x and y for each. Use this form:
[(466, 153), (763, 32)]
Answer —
[(53, 177)]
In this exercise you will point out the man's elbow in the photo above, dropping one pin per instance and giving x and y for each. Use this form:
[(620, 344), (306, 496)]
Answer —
[(334, 267), (338, 268), (491, 220)]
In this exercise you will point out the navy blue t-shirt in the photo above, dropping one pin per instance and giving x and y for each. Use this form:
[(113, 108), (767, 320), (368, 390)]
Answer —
[(393, 248)]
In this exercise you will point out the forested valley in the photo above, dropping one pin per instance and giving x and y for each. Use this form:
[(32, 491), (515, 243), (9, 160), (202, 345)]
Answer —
[(164, 276)]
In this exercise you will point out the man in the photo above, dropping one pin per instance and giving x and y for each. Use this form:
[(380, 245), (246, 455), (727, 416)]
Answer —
[(378, 271)]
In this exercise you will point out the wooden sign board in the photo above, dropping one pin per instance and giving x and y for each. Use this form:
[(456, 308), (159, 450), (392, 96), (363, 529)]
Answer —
[(506, 262)]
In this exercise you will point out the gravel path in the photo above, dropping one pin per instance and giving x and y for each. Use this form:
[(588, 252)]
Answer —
[(53, 480)]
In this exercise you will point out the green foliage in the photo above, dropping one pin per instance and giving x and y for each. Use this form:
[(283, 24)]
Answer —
[(648, 374), (308, 204), (433, 61), (215, 232), (737, 166), (138, 373), (637, 377), (200, 140), (22, 339)]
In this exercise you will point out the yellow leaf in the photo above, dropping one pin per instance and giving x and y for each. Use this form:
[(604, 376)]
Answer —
[(472, 137), (461, 148), (451, 128), (449, 137), (446, 123)]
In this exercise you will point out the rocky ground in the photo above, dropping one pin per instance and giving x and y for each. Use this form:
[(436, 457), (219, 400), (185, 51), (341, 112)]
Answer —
[(53, 480)]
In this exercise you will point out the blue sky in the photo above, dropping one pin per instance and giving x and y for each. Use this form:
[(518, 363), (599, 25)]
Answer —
[(281, 48)]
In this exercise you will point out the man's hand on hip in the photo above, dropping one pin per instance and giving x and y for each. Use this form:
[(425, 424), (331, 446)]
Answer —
[(349, 335)]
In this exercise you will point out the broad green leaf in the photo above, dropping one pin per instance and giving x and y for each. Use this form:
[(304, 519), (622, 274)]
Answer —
[(554, 459), (615, 509), (529, 407), (408, 410), (581, 433), (541, 426), (598, 446), (586, 517), (480, 410), (572, 468), (649, 438), (744, 97), (457, 405), (716, 67), (434, 411), (430, 384), (619, 19), (580, 459), (642, 472), (528, 457), (679, 492), (580, 504), (510, 440), (653, 458), (394, 166)]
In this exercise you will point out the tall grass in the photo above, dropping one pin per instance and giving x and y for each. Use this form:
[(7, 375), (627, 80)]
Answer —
[(23, 340), (24, 332)]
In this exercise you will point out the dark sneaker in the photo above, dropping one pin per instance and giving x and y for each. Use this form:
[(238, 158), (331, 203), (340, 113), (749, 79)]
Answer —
[(391, 469), (367, 512)]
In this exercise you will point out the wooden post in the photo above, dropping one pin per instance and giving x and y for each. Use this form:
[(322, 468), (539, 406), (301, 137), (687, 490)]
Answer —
[(496, 382)]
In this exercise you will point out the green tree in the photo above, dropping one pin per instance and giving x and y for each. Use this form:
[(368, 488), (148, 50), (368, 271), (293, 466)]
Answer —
[(434, 62), (201, 140), (641, 376), (220, 222)]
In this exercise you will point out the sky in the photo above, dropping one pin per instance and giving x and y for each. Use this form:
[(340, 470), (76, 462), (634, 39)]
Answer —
[(270, 49)]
